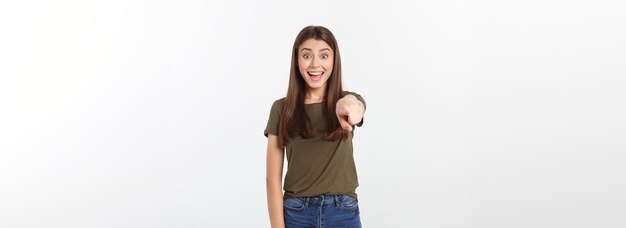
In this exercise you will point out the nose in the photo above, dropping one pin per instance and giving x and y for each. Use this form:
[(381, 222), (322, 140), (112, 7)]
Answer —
[(314, 63)]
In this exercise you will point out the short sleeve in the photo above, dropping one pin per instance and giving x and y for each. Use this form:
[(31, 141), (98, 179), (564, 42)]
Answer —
[(360, 98), (274, 118)]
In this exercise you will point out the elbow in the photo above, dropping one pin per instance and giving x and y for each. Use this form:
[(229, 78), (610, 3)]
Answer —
[(269, 180)]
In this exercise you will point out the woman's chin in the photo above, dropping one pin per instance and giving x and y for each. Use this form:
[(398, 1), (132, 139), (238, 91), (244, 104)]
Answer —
[(315, 85)]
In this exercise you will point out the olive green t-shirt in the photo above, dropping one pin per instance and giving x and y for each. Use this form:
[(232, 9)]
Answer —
[(316, 166)]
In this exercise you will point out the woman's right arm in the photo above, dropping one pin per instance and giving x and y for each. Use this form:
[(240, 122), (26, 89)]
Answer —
[(274, 181)]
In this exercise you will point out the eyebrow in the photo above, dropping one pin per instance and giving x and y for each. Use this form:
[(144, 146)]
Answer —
[(308, 49)]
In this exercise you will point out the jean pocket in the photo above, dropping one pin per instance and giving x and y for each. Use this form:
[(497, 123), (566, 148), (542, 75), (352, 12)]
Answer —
[(294, 203), (347, 202)]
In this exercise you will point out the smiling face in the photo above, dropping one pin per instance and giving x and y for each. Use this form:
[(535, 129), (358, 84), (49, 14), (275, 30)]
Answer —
[(315, 62)]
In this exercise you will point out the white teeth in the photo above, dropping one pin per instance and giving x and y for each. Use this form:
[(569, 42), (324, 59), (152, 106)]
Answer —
[(315, 73)]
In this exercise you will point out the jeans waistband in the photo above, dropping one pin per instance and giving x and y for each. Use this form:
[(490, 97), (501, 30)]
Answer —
[(321, 199)]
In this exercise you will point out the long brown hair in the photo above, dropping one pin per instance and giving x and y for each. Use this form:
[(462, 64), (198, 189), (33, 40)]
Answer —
[(293, 121)]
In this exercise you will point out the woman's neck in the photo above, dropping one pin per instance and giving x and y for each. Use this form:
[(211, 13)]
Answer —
[(314, 95)]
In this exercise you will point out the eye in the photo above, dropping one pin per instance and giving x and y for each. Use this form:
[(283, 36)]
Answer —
[(306, 56), (324, 56)]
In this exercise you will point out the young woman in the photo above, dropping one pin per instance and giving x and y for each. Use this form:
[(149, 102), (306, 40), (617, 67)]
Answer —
[(314, 123)]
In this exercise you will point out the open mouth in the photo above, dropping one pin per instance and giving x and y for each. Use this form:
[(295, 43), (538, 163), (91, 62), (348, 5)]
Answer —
[(315, 75)]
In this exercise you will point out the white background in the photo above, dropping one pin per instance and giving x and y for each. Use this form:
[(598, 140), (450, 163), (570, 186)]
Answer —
[(150, 113)]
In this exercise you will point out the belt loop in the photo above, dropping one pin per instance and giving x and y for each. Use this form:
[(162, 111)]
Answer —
[(336, 200), (306, 201)]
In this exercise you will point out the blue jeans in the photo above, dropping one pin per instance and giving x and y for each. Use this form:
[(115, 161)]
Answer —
[(322, 211)]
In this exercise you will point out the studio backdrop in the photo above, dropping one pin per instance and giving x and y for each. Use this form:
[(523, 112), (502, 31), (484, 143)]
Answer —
[(132, 114)]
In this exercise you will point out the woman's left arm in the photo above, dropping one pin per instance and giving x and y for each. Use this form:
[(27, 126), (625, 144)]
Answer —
[(349, 111)]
